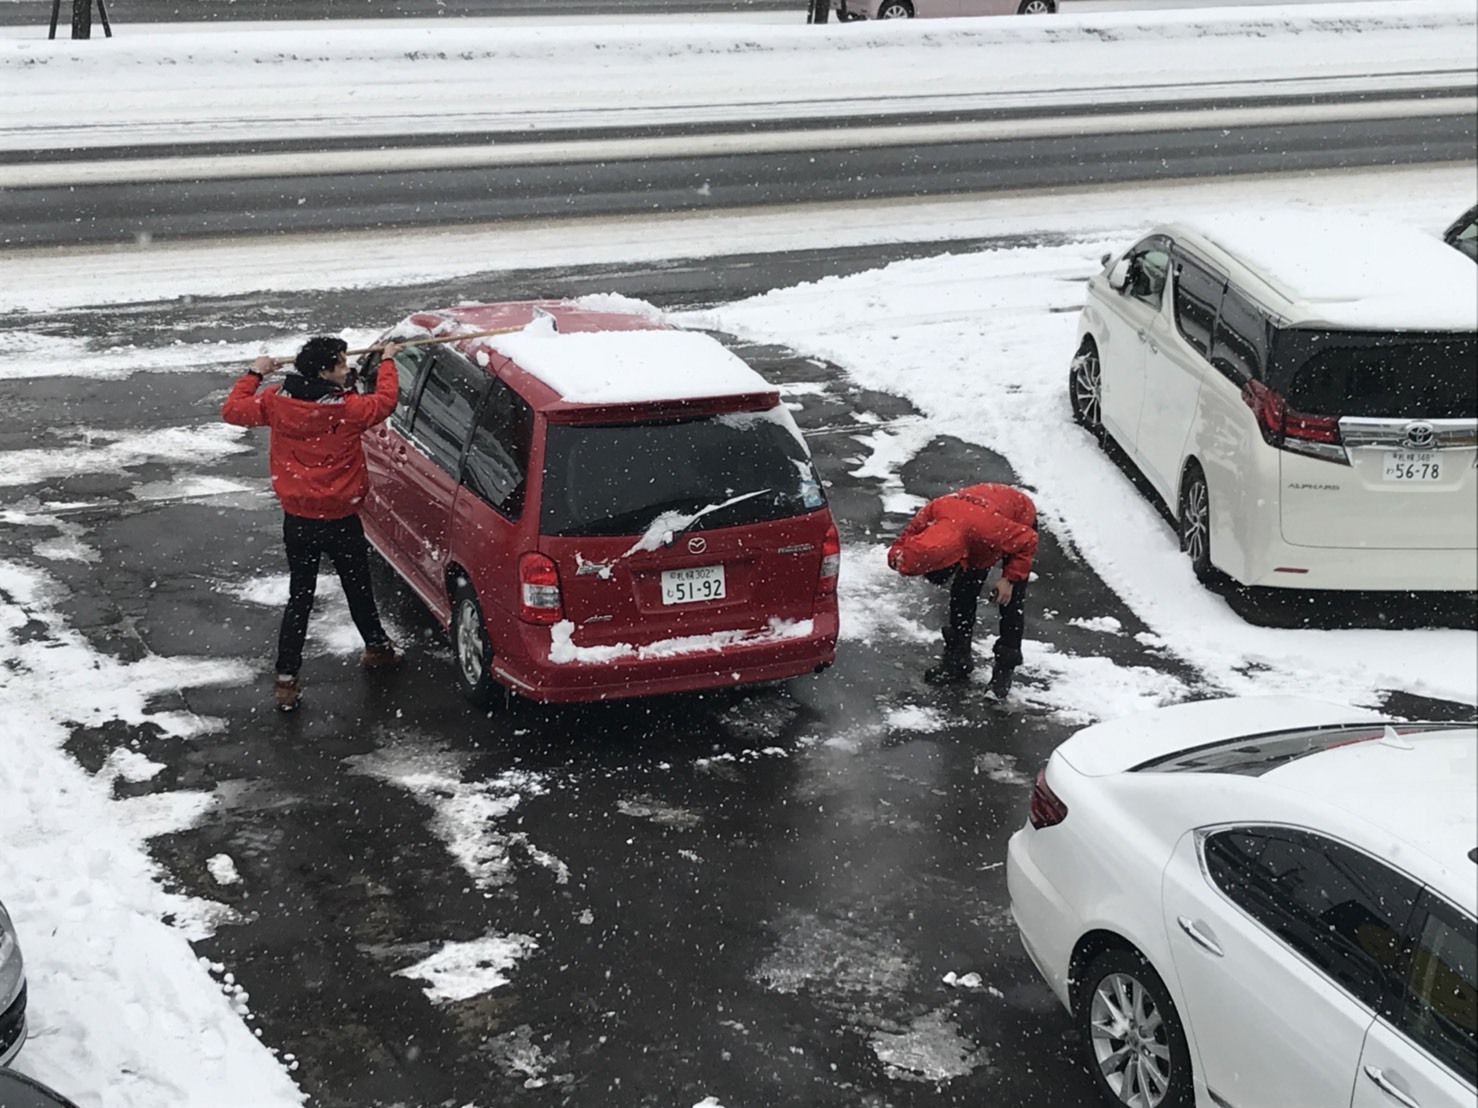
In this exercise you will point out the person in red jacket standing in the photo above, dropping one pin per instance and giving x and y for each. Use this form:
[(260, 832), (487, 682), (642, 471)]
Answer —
[(319, 476), (959, 538)]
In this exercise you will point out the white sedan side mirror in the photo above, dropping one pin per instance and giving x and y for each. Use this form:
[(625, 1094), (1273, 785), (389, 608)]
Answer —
[(1119, 276)]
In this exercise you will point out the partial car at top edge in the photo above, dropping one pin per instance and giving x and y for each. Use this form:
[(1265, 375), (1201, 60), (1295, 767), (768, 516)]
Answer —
[(1260, 901)]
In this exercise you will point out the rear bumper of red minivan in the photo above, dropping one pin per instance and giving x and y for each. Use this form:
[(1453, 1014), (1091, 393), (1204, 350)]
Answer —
[(539, 677)]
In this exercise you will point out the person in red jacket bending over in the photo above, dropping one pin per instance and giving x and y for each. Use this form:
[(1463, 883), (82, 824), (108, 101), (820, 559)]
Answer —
[(958, 539), (319, 475)]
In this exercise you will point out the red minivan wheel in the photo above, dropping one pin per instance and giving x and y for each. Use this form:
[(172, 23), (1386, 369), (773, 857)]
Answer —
[(474, 654)]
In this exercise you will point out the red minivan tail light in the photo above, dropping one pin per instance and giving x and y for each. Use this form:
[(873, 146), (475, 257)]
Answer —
[(831, 562), (1047, 810), (1287, 429), (539, 598)]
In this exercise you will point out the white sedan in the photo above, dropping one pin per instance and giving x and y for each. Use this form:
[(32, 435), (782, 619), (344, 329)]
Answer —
[(1260, 903)]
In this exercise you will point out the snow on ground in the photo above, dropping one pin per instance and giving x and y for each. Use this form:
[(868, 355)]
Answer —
[(123, 1013), (125, 1016)]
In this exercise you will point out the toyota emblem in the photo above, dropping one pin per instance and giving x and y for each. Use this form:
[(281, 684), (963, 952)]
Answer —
[(1419, 435), (697, 544)]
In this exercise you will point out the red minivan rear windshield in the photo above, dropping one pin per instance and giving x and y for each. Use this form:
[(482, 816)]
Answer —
[(1377, 374), (617, 478)]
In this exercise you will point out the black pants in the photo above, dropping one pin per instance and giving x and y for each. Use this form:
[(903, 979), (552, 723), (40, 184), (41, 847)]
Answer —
[(817, 11), (964, 598), (307, 540)]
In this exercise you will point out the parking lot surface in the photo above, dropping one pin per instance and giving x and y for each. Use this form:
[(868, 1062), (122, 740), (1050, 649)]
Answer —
[(754, 895)]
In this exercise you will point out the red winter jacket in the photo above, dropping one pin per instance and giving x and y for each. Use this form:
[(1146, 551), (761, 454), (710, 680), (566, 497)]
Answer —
[(975, 527), (315, 457)]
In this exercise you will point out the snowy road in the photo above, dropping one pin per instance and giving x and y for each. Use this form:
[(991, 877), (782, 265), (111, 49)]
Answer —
[(209, 134), (752, 897)]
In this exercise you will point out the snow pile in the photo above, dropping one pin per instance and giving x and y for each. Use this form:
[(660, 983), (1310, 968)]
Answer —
[(122, 1014)]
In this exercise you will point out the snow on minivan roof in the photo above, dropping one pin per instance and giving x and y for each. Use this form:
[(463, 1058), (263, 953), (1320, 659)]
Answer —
[(1343, 270), (628, 367)]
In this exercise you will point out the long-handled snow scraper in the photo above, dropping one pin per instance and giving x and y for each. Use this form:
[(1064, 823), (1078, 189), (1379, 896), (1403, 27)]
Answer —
[(418, 342)]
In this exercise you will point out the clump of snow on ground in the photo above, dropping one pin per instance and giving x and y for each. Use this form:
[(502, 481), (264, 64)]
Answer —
[(466, 815), (223, 869), (115, 451), (1084, 688), (914, 717), (1107, 624), (127, 765), (930, 1048), (1000, 768), (461, 970)]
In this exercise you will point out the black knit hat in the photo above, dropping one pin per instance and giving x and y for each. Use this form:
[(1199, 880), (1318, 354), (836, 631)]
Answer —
[(319, 354)]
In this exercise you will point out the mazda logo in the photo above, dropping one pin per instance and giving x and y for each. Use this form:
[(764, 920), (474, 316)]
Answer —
[(1419, 436), (697, 544)]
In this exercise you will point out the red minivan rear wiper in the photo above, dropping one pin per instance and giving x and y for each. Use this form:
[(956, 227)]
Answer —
[(669, 525)]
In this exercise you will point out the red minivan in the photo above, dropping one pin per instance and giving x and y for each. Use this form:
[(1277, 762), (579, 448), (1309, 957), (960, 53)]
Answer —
[(600, 506)]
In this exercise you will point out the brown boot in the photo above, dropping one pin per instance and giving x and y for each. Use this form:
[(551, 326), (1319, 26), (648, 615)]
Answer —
[(288, 691), (380, 657)]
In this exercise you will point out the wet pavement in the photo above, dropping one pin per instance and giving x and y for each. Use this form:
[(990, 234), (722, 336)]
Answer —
[(750, 895)]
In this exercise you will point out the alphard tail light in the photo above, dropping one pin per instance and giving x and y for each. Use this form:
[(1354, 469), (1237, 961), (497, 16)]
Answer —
[(1287, 429)]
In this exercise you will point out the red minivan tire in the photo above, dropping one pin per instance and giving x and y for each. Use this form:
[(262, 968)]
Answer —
[(471, 650)]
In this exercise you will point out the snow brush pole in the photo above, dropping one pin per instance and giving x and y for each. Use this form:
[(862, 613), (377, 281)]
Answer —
[(417, 342)]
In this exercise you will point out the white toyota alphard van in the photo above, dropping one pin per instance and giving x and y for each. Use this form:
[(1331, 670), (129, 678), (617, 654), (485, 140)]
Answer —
[(1302, 391)]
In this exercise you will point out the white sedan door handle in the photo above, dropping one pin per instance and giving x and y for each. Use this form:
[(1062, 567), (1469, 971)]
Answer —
[(1376, 1074), (1199, 937)]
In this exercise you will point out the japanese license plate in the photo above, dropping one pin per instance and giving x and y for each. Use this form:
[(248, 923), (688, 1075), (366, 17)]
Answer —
[(1412, 465), (686, 586)]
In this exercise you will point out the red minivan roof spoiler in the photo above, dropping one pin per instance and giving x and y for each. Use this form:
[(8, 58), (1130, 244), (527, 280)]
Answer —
[(566, 412)]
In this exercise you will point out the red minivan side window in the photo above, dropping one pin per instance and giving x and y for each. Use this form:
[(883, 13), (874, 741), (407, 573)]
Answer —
[(497, 463)]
